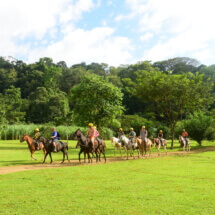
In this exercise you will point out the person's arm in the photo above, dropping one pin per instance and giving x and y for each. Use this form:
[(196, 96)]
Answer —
[(146, 133)]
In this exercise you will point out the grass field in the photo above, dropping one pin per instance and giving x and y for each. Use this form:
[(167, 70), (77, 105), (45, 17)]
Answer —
[(165, 185)]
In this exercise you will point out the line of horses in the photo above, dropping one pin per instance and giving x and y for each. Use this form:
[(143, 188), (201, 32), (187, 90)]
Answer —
[(141, 145)]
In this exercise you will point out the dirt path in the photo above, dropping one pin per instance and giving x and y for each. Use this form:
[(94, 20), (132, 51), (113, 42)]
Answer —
[(11, 169)]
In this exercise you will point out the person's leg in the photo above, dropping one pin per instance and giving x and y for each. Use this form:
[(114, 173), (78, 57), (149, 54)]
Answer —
[(54, 144)]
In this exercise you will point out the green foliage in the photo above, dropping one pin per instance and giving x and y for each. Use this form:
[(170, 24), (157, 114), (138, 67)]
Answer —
[(97, 101), (197, 125), (171, 95)]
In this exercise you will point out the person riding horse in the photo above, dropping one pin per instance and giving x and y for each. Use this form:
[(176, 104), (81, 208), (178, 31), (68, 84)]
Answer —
[(185, 135), (143, 134), (91, 134), (54, 138), (132, 135), (96, 135), (37, 137), (160, 137), (120, 133)]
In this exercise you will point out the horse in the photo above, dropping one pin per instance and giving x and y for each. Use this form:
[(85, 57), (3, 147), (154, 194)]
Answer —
[(144, 146), (32, 145), (117, 145), (185, 144), (86, 146), (129, 146), (158, 144), (60, 146)]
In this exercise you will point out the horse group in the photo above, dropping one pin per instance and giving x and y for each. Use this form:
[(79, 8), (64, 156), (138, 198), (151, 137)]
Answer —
[(141, 145), (47, 147)]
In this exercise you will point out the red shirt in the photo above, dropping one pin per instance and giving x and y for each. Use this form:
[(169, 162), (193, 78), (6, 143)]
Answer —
[(184, 134)]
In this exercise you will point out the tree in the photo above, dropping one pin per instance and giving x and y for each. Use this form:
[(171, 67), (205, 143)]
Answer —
[(197, 125), (178, 65), (171, 95), (95, 100)]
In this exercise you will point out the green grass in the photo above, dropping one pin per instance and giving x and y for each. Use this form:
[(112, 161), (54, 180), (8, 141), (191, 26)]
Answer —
[(12, 152), (165, 185)]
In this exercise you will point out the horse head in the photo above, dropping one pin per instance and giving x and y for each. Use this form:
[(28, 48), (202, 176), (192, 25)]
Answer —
[(77, 133), (23, 138)]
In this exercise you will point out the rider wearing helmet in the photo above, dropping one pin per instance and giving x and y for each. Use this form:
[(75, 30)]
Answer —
[(91, 134), (160, 137), (143, 133), (184, 135), (120, 134), (54, 138), (36, 137), (132, 135)]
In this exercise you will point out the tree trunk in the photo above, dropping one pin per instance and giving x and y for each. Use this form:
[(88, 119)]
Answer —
[(173, 135)]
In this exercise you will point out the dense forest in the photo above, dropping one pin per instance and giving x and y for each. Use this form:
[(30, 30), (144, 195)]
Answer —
[(169, 95)]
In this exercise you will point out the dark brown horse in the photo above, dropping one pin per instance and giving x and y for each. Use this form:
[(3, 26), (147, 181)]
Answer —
[(86, 146), (60, 147), (32, 145)]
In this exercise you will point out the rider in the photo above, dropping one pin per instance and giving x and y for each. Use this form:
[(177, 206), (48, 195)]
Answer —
[(184, 135), (143, 133), (36, 137), (120, 133), (96, 135), (91, 134), (160, 137), (132, 135), (54, 138)]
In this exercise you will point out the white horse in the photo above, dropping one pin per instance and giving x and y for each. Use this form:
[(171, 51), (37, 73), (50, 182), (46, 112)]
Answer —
[(117, 145), (129, 146), (158, 144), (185, 144)]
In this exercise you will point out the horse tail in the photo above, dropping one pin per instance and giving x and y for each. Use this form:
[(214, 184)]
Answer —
[(104, 145)]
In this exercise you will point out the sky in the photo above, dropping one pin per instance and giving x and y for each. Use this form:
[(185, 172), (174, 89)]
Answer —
[(107, 31)]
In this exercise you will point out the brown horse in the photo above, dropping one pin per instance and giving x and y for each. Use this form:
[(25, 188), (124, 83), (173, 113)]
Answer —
[(86, 146), (158, 144), (144, 146), (32, 145)]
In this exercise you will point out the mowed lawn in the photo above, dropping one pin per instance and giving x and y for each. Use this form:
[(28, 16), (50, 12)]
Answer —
[(165, 185)]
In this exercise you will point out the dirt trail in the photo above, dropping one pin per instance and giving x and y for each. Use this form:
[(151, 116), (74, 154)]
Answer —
[(12, 169)]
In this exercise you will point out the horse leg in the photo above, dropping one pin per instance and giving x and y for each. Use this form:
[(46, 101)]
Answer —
[(32, 152), (103, 152), (50, 155), (67, 156), (149, 151), (165, 149), (63, 156), (44, 158), (127, 154), (79, 156), (159, 150), (85, 157)]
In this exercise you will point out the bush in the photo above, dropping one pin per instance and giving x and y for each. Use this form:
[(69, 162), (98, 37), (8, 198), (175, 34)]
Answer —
[(14, 132), (197, 125)]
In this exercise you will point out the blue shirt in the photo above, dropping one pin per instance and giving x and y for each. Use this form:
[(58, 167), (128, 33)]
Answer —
[(54, 134)]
